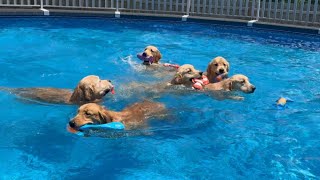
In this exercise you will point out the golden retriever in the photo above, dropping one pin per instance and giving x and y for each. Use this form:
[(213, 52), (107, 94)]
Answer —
[(90, 89), (150, 55), (237, 82), (132, 117), (220, 90), (151, 60), (184, 75), (217, 69)]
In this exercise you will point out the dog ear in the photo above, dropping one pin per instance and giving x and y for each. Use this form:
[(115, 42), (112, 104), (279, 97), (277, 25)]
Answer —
[(210, 75), (177, 79), (209, 67), (77, 94), (228, 66), (228, 85), (88, 93), (157, 57), (81, 94), (104, 116)]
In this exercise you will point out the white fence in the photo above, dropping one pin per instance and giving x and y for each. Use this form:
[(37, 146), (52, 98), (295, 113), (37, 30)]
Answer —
[(19, 3), (302, 12)]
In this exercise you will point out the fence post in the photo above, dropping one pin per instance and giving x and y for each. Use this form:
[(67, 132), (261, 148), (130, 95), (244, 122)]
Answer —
[(117, 13), (258, 10), (184, 17), (45, 11), (315, 9), (250, 23), (188, 7)]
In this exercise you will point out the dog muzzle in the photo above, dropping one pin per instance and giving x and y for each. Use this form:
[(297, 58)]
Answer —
[(145, 59)]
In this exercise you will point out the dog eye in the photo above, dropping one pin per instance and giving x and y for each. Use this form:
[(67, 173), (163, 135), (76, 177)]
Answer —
[(88, 113), (216, 64), (224, 64), (151, 50), (109, 81)]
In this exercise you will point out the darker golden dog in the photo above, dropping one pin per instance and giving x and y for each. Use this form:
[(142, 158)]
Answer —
[(132, 117), (218, 66), (89, 89)]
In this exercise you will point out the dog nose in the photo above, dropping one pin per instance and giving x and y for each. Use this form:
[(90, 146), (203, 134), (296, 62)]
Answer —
[(221, 70), (72, 124), (201, 73), (253, 88), (144, 54)]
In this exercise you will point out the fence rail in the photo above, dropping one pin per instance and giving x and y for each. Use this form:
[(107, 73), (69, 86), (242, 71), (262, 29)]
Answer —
[(302, 12), (20, 3)]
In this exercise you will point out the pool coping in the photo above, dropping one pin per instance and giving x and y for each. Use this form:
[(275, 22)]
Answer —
[(14, 12)]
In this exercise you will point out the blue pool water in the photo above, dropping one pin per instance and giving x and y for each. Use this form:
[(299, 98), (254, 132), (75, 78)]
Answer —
[(203, 138)]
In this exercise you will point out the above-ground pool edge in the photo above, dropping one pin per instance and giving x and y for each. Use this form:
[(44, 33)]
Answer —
[(13, 12)]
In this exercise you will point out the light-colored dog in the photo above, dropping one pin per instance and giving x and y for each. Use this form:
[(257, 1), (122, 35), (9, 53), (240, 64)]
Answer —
[(237, 82), (89, 89)]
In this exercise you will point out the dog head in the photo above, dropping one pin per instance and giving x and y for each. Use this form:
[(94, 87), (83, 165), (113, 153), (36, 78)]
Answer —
[(150, 55), (90, 113), (91, 88), (239, 82), (185, 74), (216, 67)]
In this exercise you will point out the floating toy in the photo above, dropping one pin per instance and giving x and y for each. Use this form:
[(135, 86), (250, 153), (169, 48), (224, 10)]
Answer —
[(220, 77), (281, 103), (200, 83), (145, 58), (171, 65), (89, 128)]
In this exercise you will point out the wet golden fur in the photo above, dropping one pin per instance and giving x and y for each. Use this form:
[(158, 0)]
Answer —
[(89, 89), (237, 82), (184, 75), (154, 52), (132, 117), (220, 90)]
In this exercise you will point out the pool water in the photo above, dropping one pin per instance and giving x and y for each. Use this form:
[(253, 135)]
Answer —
[(202, 138)]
